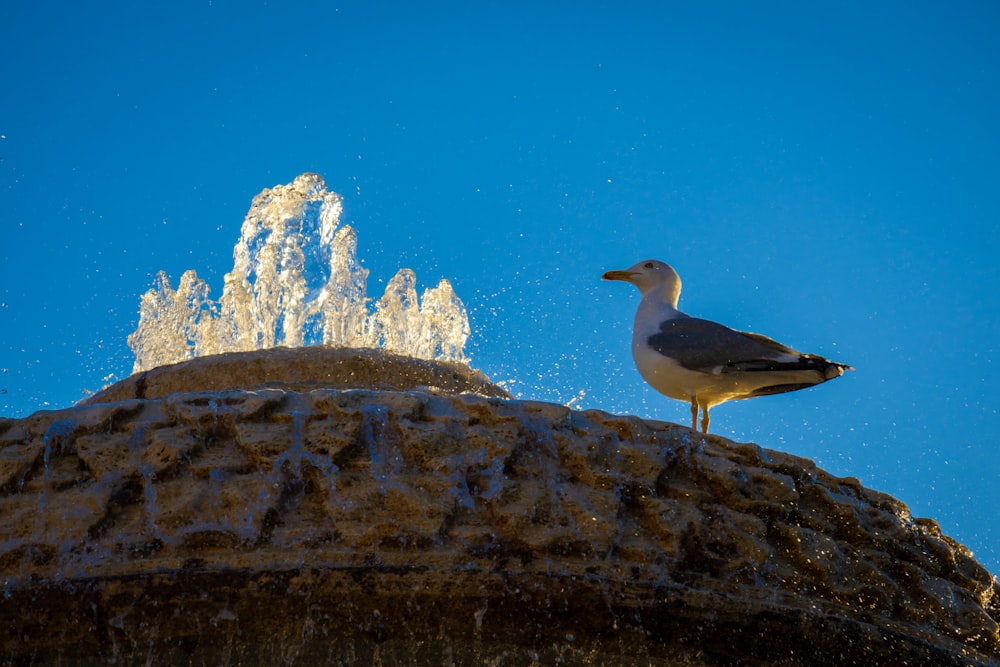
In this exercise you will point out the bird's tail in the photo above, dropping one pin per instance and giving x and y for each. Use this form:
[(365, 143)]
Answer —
[(835, 369)]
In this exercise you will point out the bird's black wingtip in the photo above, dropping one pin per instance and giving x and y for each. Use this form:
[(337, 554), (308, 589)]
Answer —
[(836, 369)]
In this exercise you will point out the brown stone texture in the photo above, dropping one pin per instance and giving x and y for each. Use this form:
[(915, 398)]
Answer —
[(424, 527), (301, 369)]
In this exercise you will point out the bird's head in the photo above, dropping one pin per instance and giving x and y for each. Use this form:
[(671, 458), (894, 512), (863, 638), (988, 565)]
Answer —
[(650, 275)]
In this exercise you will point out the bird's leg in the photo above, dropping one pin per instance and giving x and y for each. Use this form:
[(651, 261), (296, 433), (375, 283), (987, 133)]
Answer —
[(704, 420), (694, 414)]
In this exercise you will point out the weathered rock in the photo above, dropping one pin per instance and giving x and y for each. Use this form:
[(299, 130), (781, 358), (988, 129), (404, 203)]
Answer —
[(413, 527), (301, 369)]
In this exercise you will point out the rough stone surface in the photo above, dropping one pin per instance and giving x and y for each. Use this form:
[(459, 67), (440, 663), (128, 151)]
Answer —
[(301, 369), (366, 526)]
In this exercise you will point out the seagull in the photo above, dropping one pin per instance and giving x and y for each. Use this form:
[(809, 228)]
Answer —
[(703, 362)]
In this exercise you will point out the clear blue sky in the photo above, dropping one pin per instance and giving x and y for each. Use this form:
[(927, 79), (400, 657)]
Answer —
[(826, 175)]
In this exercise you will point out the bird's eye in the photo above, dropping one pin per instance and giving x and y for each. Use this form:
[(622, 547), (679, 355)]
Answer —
[(647, 265)]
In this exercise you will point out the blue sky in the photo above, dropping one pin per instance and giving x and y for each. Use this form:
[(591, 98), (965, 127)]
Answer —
[(823, 175)]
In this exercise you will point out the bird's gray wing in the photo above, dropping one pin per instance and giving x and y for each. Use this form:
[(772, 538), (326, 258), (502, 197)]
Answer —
[(703, 345)]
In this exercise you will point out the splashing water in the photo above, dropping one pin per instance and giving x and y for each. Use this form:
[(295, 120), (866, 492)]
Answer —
[(296, 280)]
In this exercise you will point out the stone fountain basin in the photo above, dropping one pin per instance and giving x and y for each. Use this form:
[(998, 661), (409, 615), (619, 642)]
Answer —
[(413, 521)]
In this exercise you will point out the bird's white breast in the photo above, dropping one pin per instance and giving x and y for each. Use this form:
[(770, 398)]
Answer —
[(662, 373)]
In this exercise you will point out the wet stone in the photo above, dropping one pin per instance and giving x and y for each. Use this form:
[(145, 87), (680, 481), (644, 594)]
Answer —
[(335, 525)]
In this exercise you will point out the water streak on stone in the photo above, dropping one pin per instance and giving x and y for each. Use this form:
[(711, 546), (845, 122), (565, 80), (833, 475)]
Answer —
[(136, 446), (374, 420), (54, 442)]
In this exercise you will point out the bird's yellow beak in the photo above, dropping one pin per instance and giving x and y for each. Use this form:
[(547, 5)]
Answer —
[(618, 275)]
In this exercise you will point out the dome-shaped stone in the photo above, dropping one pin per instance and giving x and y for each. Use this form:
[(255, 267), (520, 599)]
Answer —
[(301, 522)]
